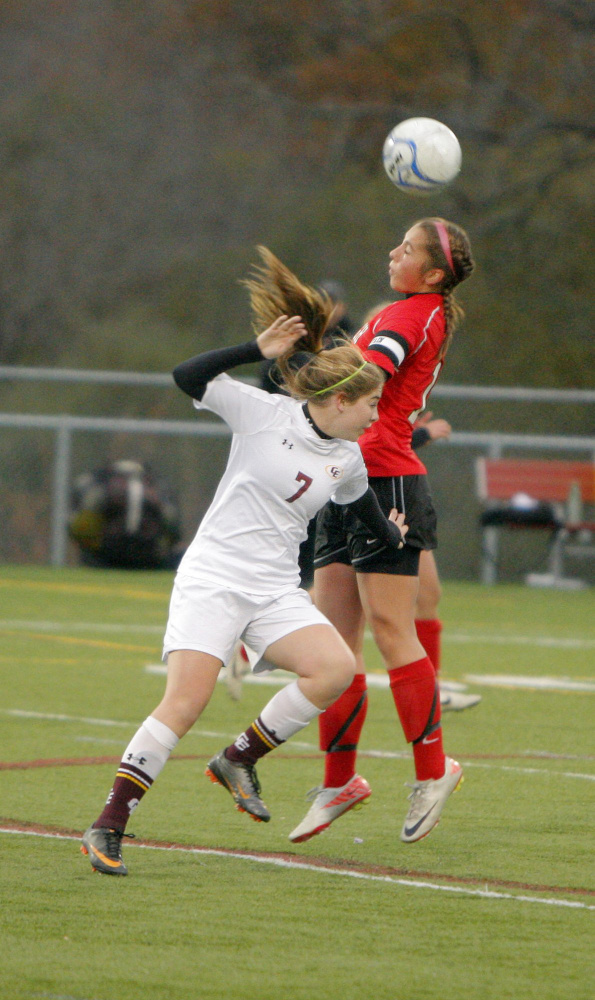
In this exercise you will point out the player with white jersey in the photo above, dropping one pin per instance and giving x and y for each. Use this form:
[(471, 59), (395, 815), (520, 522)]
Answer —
[(252, 521), (239, 578), (357, 577)]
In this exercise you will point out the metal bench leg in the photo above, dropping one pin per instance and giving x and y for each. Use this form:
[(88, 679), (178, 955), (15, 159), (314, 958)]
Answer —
[(555, 575), (489, 555), (556, 560)]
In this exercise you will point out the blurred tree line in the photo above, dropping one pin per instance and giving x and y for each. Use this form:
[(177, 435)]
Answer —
[(146, 147)]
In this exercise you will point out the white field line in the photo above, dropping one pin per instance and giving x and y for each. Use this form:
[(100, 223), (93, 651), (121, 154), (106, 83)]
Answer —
[(77, 626), (374, 680), (57, 717), (453, 637), (550, 641), (348, 873), (280, 677), (389, 755), (529, 770), (530, 683), (20, 713), (311, 747)]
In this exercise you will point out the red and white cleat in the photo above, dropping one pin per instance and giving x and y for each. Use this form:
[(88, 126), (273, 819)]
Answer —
[(328, 805)]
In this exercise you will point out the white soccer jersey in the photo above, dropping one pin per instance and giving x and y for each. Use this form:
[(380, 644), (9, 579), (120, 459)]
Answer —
[(279, 474)]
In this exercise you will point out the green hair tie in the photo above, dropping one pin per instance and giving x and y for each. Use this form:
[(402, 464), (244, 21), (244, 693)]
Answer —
[(341, 382)]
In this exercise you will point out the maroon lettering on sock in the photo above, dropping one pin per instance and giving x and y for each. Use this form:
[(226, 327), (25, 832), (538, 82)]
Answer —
[(253, 744), (128, 789)]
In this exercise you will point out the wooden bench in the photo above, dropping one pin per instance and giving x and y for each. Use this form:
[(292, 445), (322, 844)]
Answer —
[(536, 494)]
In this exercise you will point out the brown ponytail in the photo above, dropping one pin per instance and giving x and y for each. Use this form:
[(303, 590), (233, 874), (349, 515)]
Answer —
[(462, 266), (274, 291)]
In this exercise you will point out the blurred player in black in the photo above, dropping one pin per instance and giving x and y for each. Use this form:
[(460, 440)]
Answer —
[(122, 517)]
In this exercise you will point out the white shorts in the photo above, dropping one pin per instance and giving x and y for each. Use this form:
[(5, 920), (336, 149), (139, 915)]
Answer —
[(213, 620)]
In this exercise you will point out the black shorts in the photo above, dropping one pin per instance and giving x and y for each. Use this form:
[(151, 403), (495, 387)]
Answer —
[(306, 557), (342, 537)]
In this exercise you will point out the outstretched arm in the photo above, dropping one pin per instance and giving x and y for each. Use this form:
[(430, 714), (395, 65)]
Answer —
[(193, 376)]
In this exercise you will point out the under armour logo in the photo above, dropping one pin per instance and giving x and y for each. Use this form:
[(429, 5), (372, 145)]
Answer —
[(288, 443)]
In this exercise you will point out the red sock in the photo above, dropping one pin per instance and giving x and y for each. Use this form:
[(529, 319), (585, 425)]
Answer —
[(428, 633), (340, 728), (416, 696)]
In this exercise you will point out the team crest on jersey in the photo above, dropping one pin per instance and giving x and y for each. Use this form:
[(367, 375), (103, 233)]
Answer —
[(334, 471)]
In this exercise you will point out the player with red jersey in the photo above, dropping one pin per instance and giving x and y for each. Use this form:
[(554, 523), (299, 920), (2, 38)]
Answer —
[(409, 359), (357, 578)]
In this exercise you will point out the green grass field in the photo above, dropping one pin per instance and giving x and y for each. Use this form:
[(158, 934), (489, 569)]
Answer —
[(499, 902)]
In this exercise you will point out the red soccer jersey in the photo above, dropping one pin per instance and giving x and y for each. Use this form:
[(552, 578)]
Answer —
[(404, 339)]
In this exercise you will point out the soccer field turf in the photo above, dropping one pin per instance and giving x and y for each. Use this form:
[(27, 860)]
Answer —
[(498, 902)]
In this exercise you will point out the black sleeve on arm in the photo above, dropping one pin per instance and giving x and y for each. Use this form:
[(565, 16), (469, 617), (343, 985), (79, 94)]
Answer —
[(193, 376), (368, 510), (420, 436)]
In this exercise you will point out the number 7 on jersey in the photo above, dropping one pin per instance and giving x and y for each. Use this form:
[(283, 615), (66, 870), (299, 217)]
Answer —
[(301, 478)]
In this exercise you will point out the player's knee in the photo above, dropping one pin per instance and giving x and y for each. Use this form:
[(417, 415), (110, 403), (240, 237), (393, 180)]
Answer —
[(340, 674), (389, 634), (347, 670), (183, 713), (428, 600)]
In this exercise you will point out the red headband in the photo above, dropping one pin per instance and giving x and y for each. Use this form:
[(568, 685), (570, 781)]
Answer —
[(445, 243)]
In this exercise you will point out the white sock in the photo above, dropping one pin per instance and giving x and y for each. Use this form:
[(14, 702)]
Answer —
[(288, 711), (150, 747)]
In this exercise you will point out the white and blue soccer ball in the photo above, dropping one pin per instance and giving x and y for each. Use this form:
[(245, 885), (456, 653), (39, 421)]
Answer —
[(421, 155)]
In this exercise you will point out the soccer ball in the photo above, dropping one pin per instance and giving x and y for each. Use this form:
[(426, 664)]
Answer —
[(421, 155)]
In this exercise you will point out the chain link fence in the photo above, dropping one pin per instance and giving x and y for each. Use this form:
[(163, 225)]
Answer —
[(41, 456)]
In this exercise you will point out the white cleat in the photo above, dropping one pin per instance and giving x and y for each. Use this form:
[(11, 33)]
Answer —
[(428, 799), (452, 685), (455, 701), (328, 805)]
